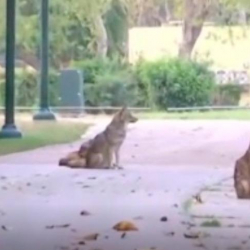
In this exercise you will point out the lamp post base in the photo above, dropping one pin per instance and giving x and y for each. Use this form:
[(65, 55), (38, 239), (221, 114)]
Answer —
[(44, 114), (10, 131)]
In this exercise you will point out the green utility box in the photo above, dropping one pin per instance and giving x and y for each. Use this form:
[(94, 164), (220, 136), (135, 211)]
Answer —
[(71, 91)]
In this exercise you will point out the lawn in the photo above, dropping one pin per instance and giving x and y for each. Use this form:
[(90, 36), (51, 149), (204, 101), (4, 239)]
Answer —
[(198, 115), (39, 134)]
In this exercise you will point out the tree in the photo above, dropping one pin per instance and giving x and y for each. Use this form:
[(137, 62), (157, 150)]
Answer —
[(76, 30), (195, 14), (117, 23)]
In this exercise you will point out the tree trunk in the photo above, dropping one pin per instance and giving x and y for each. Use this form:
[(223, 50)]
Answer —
[(242, 17), (102, 38), (196, 12)]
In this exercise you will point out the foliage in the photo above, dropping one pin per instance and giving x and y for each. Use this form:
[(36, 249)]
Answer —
[(108, 82), (116, 23), (111, 89), (175, 83), (27, 89), (228, 94)]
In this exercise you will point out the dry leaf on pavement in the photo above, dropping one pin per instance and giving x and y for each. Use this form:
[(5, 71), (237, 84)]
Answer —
[(91, 236), (125, 226)]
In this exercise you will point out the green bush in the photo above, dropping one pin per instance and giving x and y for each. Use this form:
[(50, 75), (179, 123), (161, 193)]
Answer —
[(108, 82), (228, 94), (112, 89), (27, 89), (175, 83), (53, 88), (95, 67)]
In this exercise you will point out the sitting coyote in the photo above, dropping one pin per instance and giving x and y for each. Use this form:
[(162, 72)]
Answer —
[(242, 176), (100, 151)]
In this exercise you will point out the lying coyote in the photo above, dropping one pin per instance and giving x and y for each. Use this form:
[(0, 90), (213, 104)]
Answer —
[(100, 151)]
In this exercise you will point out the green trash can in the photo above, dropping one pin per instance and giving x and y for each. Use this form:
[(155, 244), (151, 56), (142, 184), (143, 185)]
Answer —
[(71, 91)]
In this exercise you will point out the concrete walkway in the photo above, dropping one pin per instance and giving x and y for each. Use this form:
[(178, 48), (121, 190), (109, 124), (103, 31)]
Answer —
[(44, 206)]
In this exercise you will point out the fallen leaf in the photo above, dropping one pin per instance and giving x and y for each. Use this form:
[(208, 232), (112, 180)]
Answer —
[(125, 226), (170, 234), (199, 245), (84, 213), (197, 129), (138, 218), (2, 213), (92, 178), (151, 248), (192, 235), (123, 235), (81, 243), (63, 248), (164, 219), (198, 198), (91, 237), (5, 228), (57, 226)]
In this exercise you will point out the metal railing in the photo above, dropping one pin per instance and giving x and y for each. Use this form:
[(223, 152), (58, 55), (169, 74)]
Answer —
[(85, 108), (136, 109)]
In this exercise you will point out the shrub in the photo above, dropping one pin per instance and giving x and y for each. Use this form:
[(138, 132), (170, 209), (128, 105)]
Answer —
[(108, 82), (112, 89), (228, 94), (53, 88), (27, 89), (175, 83), (94, 67)]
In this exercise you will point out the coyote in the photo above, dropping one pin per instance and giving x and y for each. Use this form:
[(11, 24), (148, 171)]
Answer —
[(76, 159), (242, 176), (100, 151)]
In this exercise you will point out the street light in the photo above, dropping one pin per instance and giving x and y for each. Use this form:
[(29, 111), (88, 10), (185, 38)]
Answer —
[(9, 130), (44, 112)]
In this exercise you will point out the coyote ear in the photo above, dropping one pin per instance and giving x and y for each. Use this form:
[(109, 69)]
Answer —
[(122, 110)]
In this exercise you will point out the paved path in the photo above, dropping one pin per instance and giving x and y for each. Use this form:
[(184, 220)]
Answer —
[(166, 162)]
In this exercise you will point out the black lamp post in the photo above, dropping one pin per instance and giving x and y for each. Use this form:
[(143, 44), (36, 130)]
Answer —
[(9, 129), (44, 112)]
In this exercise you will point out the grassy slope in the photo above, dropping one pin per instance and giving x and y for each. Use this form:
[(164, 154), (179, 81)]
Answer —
[(39, 134)]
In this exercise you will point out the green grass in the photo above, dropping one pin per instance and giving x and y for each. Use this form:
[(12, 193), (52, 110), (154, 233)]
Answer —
[(211, 223), (39, 134), (207, 115)]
